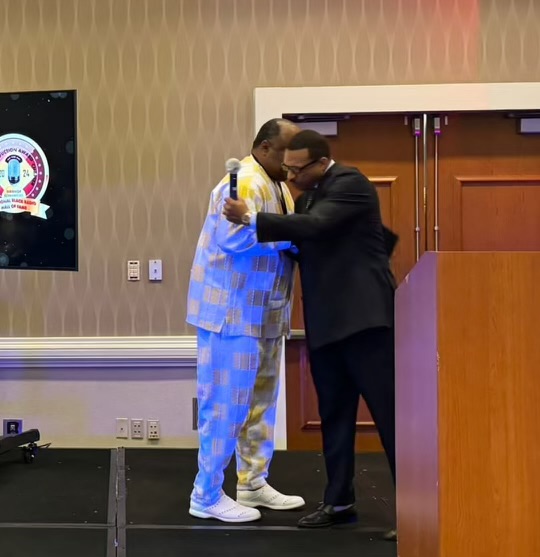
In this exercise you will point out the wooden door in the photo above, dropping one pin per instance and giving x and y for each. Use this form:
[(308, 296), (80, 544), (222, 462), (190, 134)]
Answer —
[(489, 185), (383, 148)]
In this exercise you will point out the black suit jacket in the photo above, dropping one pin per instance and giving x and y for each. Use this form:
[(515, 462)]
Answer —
[(344, 254)]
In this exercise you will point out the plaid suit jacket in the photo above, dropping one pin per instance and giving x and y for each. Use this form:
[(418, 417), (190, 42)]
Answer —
[(239, 287)]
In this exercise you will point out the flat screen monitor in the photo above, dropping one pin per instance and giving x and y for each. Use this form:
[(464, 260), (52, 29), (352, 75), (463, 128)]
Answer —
[(38, 181)]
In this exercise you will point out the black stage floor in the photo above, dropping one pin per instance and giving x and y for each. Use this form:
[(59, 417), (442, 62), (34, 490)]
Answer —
[(134, 503)]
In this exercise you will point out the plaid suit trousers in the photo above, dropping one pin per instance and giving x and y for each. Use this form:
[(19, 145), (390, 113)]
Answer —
[(237, 386)]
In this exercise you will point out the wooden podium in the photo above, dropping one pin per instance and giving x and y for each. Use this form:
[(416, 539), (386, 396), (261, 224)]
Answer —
[(468, 406)]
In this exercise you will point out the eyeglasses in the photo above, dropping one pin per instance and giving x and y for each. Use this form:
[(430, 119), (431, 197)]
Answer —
[(297, 169)]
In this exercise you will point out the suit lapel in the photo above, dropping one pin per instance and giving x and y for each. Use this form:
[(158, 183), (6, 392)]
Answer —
[(314, 195)]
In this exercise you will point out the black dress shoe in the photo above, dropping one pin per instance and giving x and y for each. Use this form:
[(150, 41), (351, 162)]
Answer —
[(326, 516), (390, 536)]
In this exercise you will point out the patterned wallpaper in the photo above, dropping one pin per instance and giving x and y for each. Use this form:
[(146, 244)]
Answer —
[(165, 96)]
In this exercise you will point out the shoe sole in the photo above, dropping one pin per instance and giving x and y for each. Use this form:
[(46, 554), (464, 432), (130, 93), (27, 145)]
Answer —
[(255, 505), (202, 514), (325, 525), (340, 522)]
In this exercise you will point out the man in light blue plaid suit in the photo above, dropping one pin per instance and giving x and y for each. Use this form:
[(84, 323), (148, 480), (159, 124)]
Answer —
[(239, 300)]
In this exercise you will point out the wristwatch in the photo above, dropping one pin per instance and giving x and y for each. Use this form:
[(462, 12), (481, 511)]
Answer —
[(246, 218)]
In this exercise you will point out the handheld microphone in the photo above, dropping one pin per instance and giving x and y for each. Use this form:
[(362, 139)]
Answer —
[(233, 166)]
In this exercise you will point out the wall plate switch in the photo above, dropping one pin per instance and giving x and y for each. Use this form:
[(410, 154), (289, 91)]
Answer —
[(153, 429), (137, 428), (155, 270), (133, 270), (122, 425)]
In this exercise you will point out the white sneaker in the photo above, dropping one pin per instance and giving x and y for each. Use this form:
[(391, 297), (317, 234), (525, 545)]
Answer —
[(270, 498), (226, 510)]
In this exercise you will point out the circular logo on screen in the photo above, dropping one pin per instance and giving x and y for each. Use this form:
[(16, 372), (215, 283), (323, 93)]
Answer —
[(24, 175)]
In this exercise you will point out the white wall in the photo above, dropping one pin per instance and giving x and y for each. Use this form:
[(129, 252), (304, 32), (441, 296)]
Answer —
[(73, 390), (79, 407)]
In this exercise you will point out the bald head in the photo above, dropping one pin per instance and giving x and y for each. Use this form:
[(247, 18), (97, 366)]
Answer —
[(270, 144)]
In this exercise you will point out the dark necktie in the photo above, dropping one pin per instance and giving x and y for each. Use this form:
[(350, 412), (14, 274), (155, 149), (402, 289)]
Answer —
[(281, 197), (310, 197)]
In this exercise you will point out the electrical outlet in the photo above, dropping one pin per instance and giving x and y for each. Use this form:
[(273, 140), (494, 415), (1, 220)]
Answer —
[(137, 429), (153, 429), (155, 270), (122, 427), (12, 426)]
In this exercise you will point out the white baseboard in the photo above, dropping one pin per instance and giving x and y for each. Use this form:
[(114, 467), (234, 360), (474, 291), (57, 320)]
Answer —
[(85, 352)]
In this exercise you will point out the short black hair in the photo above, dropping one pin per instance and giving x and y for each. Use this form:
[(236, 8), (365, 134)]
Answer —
[(316, 144), (269, 130)]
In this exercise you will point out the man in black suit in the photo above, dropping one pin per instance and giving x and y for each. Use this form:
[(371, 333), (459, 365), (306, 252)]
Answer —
[(348, 291)]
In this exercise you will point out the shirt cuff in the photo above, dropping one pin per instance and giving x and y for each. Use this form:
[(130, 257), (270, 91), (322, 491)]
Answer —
[(294, 250), (253, 220)]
